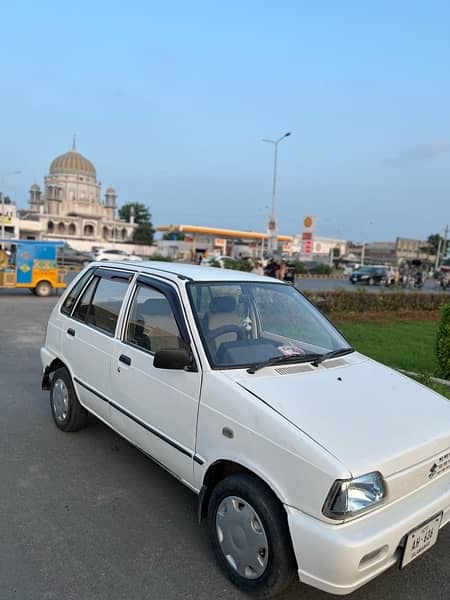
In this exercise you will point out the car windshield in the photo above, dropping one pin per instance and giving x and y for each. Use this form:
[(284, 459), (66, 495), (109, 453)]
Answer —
[(243, 324)]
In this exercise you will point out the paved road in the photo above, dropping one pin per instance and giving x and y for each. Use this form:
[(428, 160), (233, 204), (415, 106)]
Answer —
[(86, 516)]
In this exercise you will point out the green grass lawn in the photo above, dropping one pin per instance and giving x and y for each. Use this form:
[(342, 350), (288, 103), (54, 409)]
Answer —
[(408, 345)]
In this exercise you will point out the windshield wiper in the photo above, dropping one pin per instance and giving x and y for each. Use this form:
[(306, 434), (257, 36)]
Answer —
[(299, 358), (333, 354)]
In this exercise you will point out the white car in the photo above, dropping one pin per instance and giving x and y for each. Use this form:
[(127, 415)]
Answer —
[(350, 268), (206, 261), (114, 254), (306, 456)]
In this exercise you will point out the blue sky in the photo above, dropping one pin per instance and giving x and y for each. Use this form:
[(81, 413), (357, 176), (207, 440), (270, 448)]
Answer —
[(170, 101)]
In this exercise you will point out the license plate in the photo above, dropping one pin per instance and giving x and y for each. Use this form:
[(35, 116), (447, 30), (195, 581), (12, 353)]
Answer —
[(421, 539)]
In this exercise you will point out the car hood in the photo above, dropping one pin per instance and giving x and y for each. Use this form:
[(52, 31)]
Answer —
[(368, 416)]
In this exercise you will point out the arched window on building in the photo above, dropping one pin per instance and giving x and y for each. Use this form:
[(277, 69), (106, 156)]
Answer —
[(88, 230), (124, 234), (61, 228), (50, 227), (72, 229), (105, 233)]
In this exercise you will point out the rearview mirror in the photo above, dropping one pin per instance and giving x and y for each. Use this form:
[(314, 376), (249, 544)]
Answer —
[(172, 359)]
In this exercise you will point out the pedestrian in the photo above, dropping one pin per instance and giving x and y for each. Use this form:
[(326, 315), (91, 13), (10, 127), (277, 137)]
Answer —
[(271, 268), (258, 268), (282, 270)]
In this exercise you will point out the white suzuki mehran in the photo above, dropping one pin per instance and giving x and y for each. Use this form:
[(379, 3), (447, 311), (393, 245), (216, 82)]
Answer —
[(306, 456)]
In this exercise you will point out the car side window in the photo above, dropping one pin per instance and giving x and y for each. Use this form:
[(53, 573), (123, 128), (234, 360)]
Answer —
[(106, 303), (151, 323), (82, 308), (72, 297), (100, 304)]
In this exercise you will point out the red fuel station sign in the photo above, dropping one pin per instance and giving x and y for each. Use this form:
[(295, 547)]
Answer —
[(307, 242)]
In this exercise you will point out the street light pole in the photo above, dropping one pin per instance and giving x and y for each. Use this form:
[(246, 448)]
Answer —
[(272, 241), (2, 197)]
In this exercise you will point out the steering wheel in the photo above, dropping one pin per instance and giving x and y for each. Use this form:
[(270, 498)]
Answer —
[(214, 333)]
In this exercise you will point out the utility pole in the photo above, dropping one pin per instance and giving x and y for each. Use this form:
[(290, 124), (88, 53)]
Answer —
[(438, 254), (2, 234), (445, 241), (273, 237), (442, 249)]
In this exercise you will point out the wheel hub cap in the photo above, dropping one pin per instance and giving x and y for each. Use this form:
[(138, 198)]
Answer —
[(241, 537), (60, 400)]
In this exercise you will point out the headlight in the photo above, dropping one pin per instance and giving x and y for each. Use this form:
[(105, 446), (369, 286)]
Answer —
[(350, 497)]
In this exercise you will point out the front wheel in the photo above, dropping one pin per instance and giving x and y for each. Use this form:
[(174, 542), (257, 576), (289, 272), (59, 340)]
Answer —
[(250, 536), (67, 412)]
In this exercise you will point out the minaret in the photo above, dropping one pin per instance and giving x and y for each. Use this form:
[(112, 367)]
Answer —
[(35, 198), (53, 194), (110, 203)]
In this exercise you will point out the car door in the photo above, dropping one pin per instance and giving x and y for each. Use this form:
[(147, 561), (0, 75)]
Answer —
[(155, 408), (87, 345)]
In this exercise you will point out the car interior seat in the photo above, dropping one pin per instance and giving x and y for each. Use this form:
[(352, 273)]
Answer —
[(155, 327), (223, 311)]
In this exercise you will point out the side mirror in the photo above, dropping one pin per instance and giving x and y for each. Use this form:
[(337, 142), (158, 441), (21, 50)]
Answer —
[(172, 359)]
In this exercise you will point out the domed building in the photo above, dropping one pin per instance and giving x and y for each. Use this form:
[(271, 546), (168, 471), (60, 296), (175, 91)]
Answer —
[(71, 207)]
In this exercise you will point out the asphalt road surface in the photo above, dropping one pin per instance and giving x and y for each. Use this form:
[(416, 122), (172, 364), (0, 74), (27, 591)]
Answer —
[(86, 516)]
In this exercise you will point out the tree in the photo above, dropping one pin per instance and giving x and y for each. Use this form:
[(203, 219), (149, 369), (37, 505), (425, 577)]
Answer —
[(434, 242), (174, 235), (141, 213), (143, 233)]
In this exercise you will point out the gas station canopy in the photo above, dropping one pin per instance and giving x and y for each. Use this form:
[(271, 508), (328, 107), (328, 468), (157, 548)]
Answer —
[(221, 233)]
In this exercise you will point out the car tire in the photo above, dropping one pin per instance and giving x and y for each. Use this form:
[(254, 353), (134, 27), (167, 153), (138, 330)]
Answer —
[(258, 557), (43, 289), (67, 412)]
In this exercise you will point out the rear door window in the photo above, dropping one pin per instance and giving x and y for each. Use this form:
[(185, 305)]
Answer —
[(72, 297), (100, 304), (106, 303)]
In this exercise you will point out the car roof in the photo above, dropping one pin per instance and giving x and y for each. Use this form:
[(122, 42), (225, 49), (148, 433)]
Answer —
[(186, 271)]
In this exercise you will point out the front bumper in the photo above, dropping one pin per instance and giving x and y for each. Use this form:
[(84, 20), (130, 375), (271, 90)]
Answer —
[(341, 558)]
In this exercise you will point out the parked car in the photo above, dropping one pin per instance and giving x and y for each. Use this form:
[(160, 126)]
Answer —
[(306, 456), (350, 268), (71, 257), (369, 275), (114, 254), (208, 261)]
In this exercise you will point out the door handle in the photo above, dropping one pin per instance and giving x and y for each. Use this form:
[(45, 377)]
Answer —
[(71, 331), (126, 360)]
